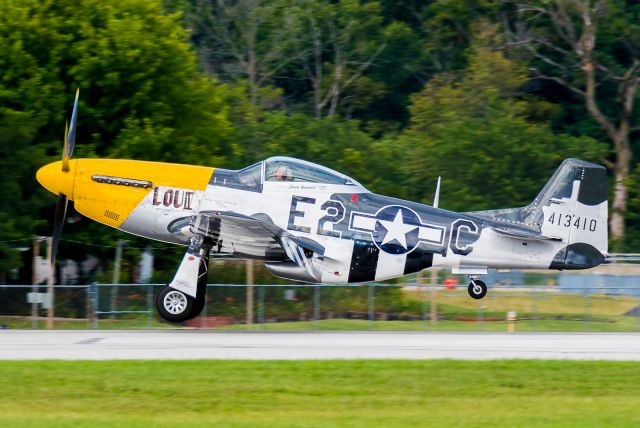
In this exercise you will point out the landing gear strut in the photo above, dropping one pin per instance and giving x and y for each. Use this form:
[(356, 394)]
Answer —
[(184, 297), (477, 289)]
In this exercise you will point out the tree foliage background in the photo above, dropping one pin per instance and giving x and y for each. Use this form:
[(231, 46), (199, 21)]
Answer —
[(490, 95)]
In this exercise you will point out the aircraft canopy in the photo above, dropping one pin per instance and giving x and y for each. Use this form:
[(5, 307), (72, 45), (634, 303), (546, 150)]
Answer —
[(295, 170)]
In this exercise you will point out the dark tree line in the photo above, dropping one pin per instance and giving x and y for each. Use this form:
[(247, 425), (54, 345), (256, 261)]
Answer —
[(491, 95)]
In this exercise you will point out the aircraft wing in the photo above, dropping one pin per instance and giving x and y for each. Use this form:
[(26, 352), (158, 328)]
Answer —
[(240, 235)]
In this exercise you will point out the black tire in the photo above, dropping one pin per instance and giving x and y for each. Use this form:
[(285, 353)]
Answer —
[(174, 305), (198, 306), (473, 289)]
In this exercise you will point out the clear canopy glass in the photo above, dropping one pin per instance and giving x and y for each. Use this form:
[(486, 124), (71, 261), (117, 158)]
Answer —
[(296, 170)]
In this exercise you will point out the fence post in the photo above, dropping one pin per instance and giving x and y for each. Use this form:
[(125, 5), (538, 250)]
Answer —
[(316, 307), (35, 281), (205, 312), (371, 299), (425, 306), (89, 305), (433, 315), (534, 309), (50, 289), (249, 298), (638, 315), (261, 306), (149, 305), (587, 318), (424, 296), (95, 295), (113, 307)]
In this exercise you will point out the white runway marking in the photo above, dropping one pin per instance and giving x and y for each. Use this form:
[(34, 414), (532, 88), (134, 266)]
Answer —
[(186, 344)]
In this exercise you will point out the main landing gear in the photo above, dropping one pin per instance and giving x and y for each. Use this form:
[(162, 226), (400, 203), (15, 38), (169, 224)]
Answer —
[(184, 297), (477, 289), (174, 305)]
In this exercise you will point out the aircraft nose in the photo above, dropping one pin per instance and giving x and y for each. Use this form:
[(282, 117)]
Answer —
[(55, 180)]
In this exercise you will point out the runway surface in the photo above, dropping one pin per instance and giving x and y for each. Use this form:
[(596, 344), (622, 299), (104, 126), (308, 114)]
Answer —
[(185, 344)]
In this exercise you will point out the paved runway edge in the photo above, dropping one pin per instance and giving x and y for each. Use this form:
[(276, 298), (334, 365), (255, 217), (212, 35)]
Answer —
[(186, 344)]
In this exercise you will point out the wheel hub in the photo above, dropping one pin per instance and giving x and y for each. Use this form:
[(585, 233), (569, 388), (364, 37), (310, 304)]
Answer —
[(175, 302)]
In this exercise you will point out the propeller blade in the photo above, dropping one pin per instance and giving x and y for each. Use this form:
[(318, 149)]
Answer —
[(70, 139), (61, 212)]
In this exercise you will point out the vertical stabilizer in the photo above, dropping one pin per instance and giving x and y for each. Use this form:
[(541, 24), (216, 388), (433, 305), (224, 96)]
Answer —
[(571, 207)]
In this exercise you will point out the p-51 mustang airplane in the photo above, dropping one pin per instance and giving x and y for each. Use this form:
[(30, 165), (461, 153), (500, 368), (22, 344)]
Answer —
[(310, 223)]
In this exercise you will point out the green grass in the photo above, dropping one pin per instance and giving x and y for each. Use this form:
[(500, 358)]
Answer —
[(595, 324), (540, 302), (608, 324), (615, 324), (319, 394)]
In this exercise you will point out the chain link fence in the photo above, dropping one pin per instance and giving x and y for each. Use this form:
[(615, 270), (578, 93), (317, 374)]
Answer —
[(608, 304)]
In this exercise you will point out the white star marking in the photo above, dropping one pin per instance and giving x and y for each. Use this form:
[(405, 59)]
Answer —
[(397, 230)]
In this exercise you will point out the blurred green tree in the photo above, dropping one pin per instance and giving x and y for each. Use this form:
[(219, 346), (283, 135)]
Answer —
[(492, 145), (332, 142), (241, 39), (330, 58), (447, 27), (142, 95), (590, 50)]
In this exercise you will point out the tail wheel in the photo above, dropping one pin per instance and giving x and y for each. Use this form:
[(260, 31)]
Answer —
[(174, 305), (477, 289)]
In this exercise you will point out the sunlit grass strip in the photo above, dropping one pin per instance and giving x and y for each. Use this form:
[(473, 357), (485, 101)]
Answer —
[(319, 394), (592, 324)]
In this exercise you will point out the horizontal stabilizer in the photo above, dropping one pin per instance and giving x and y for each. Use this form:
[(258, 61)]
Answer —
[(524, 234)]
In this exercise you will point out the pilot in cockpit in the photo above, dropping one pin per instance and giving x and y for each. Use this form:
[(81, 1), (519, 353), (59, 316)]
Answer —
[(283, 173)]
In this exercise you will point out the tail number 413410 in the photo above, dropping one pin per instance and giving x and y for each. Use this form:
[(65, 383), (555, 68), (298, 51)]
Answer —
[(568, 221)]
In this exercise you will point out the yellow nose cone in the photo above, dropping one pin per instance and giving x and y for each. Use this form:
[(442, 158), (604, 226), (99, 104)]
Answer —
[(57, 181)]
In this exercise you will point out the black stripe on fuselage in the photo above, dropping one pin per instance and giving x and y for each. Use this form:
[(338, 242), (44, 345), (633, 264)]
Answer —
[(364, 261), (418, 260)]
